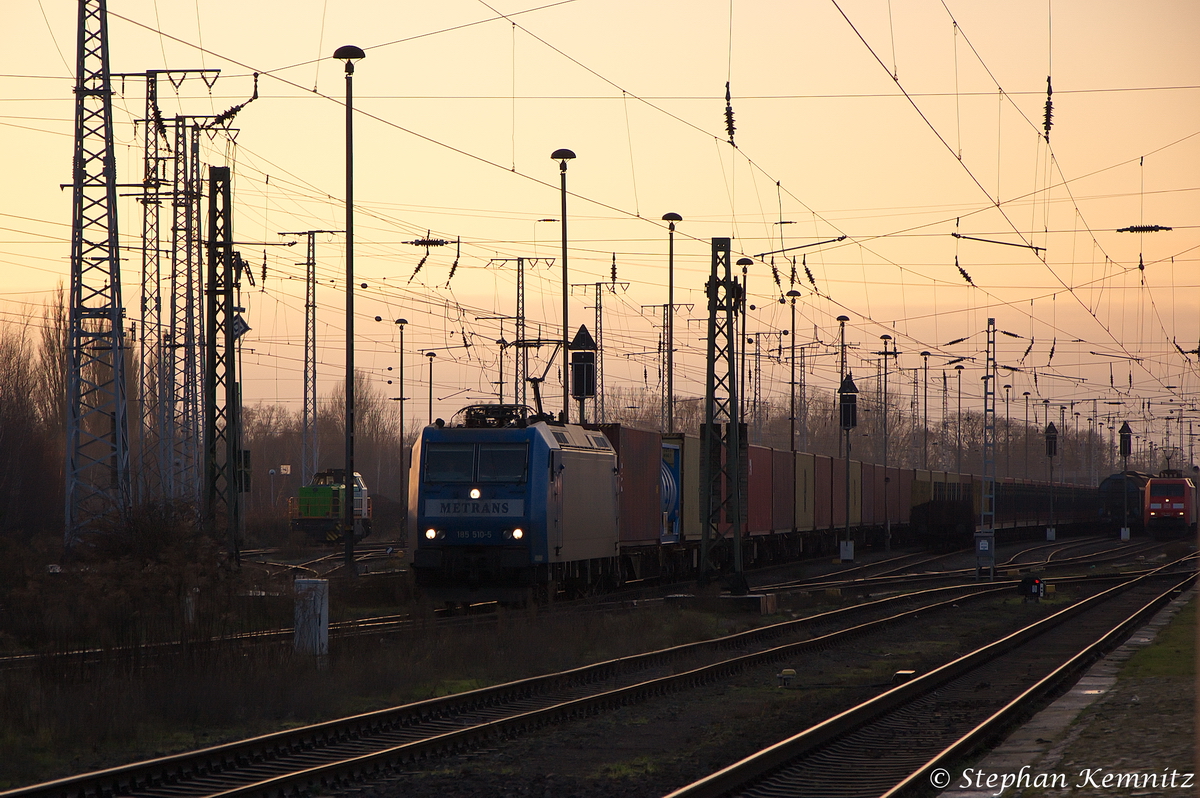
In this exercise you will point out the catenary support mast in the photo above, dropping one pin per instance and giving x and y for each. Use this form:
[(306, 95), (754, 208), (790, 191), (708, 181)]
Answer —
[(97, 429)]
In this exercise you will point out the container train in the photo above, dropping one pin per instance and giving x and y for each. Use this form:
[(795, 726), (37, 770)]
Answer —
[(1164, 506), (508, 507)]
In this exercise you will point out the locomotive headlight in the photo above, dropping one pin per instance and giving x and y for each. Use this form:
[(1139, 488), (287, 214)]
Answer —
[(518, 533), (430, 534), (475, 493)]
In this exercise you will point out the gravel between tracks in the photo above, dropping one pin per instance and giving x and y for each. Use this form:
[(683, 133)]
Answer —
[(652, 748)]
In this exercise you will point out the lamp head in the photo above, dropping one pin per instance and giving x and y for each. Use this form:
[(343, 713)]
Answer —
[(793, 293), (402, 322), (744, 262), (562, 156), (349, 53), (843, 319)]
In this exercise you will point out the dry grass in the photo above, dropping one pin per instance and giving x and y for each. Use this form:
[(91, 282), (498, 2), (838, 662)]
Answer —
[(73, 715)]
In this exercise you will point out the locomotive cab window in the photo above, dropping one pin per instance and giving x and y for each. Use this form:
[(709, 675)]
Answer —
[(1166, 490), (450, 462), (503, 462)]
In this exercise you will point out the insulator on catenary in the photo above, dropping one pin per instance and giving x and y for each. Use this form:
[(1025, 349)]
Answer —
[(1053, 345), (729, 126), (420, 263), (454, 266), (1048, 119), (1028, 349), (614, 268), (963, 271)]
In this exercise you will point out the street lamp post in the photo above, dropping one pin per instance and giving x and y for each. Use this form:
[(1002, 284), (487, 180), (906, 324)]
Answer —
[(842, 379), (887, 535), (793, 295), (403, 441), (745, 263), (671, 219), (349, 54), (431, 356), (400, 376), (958, 462), (562, 156), (1007, 434), (1025, 436), (925, 422)]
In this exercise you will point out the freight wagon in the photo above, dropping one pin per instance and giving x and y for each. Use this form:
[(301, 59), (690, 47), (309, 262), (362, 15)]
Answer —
[(508, 508)]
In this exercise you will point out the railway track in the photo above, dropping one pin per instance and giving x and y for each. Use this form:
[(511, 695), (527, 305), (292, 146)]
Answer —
[(903, 574), (888, 574), (946, 713), (339, 752)]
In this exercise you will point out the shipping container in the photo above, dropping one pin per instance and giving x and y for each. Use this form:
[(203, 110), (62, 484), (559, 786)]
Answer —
[(761, 485), (922, 488), (904, 494), (783, 492), (805, 492), (867, 502), (639, 460), (823, 491), (856, 491), (894, 505), (690, 445), (839, 492)]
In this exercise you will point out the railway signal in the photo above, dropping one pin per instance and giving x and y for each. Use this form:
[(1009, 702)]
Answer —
[(1126, 448), (1051, 451), (848, 404)]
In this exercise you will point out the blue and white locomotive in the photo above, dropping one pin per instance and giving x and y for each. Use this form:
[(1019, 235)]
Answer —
[(491, 495)]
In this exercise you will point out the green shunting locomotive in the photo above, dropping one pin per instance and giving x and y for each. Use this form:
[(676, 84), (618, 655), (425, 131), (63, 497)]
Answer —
[(318, 511)]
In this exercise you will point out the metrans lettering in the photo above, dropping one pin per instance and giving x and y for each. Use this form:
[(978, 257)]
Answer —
[(460, 507)]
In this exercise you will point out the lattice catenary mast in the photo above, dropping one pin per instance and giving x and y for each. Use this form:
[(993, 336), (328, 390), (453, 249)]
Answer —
[(721, 460), (97, 456)]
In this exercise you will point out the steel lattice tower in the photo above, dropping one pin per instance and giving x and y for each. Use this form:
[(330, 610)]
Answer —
[(185, 350), (721, 463), (153, 481), (985, 538), (309, 442), (598, 337), (97, 456), (222, 430)]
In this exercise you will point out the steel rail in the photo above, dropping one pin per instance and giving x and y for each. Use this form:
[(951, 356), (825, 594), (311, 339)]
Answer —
[(884, 580), (168, 775), (749, 770), (1068, 671)]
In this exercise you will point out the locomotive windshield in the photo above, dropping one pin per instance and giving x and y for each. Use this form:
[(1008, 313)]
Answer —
[(458, 462), (450, 462), (1157, 489), (502, 462)]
